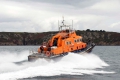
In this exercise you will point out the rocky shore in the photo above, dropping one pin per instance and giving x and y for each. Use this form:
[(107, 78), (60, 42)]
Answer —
[(25, 38)]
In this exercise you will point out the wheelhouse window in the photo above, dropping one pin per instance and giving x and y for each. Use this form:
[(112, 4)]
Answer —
[(68, 42), (75, 40), (80, 39)]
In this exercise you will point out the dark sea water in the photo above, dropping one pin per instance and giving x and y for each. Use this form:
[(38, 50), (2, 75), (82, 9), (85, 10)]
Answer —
[(102, 64)]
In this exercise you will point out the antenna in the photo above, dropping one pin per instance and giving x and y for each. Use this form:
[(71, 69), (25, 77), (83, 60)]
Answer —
[(63, 20), (58, 25), (72, 24)]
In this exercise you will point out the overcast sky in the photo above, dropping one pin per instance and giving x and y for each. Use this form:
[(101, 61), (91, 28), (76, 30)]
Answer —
[(43, 15)]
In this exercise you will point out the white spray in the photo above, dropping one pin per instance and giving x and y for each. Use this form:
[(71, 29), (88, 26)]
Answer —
[(72, 64)]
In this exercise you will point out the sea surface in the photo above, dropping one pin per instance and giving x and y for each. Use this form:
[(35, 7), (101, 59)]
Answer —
[(103, 63)]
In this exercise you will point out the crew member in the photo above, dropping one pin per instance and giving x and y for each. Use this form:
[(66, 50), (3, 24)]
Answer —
[(41, 48)]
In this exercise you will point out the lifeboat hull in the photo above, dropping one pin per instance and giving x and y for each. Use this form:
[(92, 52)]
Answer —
[(35, 55)]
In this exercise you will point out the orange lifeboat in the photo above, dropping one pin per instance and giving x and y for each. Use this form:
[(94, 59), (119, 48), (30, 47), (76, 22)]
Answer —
[(65, 41)]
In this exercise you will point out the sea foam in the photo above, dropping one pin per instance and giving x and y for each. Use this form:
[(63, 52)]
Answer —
[(71, 64)]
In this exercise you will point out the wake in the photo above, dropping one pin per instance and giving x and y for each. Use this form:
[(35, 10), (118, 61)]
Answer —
[(71, 64)]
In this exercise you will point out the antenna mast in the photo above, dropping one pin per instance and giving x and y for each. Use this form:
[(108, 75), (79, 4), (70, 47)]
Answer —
[(58, 25), (72, 24), (63, 20)]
